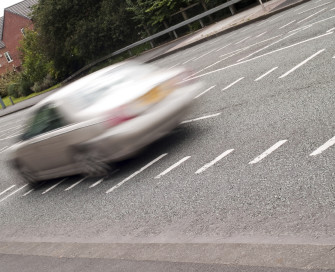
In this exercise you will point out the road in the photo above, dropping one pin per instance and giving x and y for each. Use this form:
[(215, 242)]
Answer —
[(252, 163)]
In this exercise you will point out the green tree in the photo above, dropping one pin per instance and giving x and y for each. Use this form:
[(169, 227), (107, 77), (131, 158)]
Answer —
[(36, 66), (74, 33)]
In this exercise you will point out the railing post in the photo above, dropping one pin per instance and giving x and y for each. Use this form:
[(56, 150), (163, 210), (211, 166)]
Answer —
[(2, 103), (260, 1), (232, 9)]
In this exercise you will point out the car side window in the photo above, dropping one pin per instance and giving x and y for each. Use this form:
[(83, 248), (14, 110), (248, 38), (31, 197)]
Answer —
[(45, 119)]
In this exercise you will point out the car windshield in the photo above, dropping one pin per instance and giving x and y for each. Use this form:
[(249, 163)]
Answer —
[(107, 82)]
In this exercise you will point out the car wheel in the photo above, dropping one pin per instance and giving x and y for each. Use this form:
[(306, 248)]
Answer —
[(90, 165), (28, 175)]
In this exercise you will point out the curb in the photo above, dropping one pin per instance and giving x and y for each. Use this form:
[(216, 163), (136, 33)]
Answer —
[(226, 31), (298, 256)]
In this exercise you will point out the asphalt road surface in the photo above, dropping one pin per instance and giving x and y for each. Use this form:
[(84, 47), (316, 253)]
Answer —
[(253, 163)]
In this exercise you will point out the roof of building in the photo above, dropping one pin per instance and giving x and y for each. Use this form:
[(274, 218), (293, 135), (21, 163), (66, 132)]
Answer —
[(22, 8)]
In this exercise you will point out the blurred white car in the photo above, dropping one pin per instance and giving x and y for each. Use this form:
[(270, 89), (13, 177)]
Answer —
[(104, 117)]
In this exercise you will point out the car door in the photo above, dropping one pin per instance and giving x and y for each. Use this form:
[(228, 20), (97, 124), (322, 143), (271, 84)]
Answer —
[(46, 142)]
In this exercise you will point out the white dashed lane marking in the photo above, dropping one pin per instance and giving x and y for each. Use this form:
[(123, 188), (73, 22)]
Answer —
[(27, 193), (268, 152), (314, 7), (325, 146), (243, 40), (9, 188), (75, 184), (172, 167), (261, 34), (96, 183), (6, 138), (310, 16), (201, 118), (136, 173), (267, 46), (223, 47), (3, 149), (189, 60), (232, 84), (260, 56), (264, 75), (206, 166), (287, 24), (201, 94), (53, 186), (204, 54), (13, 192), (301, 63), (173, 66)]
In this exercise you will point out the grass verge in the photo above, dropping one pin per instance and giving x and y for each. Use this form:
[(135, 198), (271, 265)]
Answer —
[(7, 102)]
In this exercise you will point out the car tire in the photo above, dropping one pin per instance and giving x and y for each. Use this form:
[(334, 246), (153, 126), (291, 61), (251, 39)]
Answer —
[(91, 166), (27, 175)]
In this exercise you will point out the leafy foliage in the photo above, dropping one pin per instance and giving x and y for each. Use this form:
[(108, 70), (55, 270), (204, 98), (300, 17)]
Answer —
[(71, 34), (36, 65), (74, 33)]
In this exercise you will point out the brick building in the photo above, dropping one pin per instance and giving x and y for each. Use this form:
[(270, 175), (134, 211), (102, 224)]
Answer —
[(16, 18)]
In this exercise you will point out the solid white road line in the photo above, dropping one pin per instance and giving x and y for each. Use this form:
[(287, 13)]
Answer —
[(75, 184), (172, 167), (97, 183), (223, 47), (261, 34), (331, 30), (268, 72), (206, 166), (267, 46), (136, 173), (204, 55), (287, 24), (268, 152), (13, 192), (205, 91), (314, 7), (173, 66), (247, 47), (311, 16), (260, 56), (53, 186), (209, 66), (27, 193), (326, 19), (302, 63), (201, 118), (13, 128), (189, 60), (333, 9), (7, 189), (300, 28), (12, 136), (334, 57), (243, 40), (325, 146), (232, 84), (3, 149)]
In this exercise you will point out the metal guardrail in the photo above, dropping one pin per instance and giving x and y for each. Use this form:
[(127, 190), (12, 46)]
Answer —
[(152, 37)]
